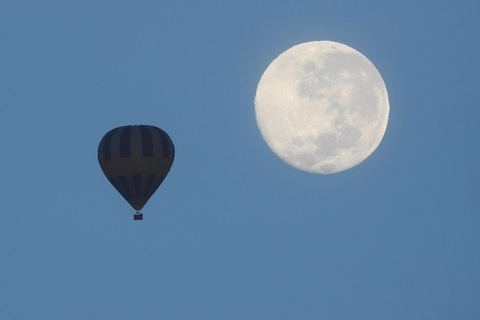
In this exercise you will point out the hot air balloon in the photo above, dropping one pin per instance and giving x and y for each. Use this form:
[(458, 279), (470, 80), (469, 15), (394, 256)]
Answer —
[(136, 160)]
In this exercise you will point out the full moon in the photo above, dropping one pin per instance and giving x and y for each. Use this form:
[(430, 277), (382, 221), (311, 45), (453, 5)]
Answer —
[(322, 107)]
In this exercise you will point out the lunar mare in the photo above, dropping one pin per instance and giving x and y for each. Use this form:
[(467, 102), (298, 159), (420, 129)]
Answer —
[(322, 107)]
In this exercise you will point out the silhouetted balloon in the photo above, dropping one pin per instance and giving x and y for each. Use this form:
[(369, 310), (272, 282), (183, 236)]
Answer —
[(136, 160)]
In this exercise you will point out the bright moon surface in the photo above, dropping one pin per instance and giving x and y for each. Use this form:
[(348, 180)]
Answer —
[(322, 107)]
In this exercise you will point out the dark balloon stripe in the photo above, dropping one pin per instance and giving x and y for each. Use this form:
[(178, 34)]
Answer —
[(137, 183), (116, 186), (106, 145), (125, 142), (159, 182), (147, 141), (126, 190), (148, 186), (165, 143)]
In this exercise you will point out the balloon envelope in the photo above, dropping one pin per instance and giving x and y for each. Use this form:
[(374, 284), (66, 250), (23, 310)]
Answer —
[(136, 160)]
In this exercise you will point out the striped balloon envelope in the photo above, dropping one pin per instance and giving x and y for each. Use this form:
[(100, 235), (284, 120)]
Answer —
[(136, 160)]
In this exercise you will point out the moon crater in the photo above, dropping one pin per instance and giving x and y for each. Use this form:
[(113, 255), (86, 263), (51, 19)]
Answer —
[(322, 107)]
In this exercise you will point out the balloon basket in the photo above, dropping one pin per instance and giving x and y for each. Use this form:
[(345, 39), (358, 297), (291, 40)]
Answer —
[(138, 216)]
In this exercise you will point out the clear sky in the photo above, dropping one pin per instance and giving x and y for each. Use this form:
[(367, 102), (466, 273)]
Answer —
[(234, 232)]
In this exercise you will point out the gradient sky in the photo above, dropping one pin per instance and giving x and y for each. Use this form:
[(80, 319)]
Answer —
[(234, 232)]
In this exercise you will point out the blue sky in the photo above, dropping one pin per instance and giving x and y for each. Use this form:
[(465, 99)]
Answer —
[(234, 232)]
